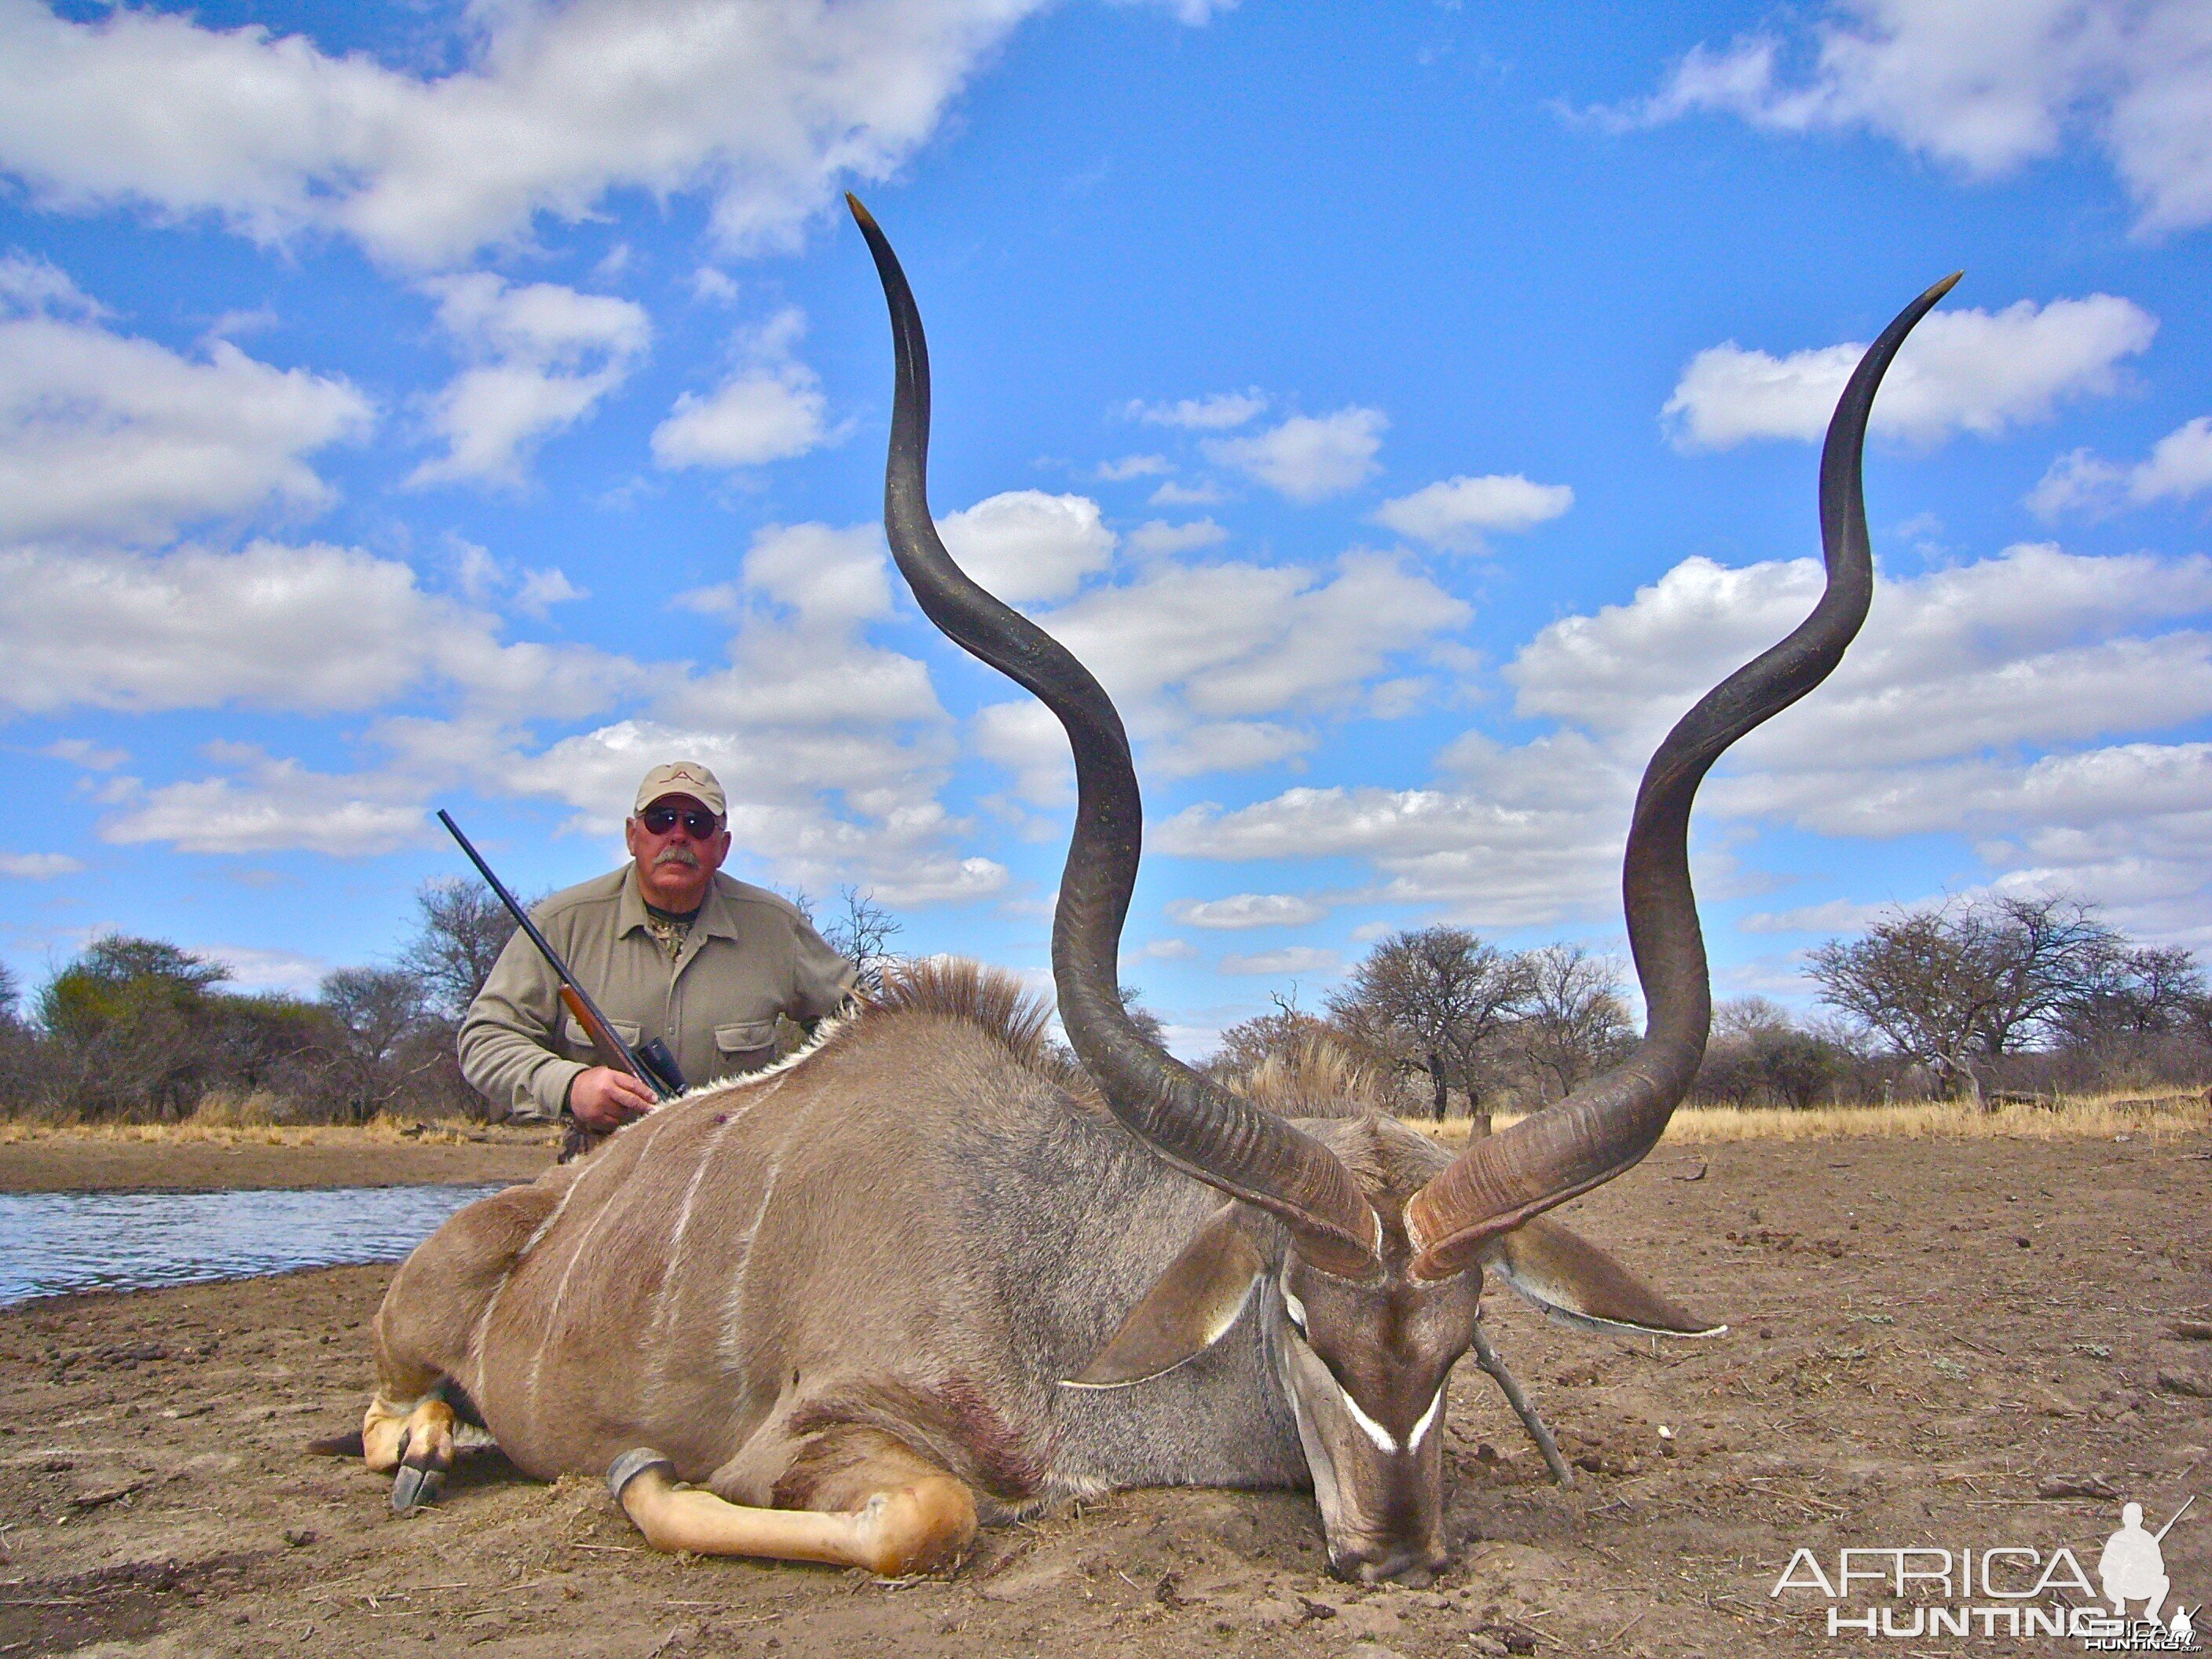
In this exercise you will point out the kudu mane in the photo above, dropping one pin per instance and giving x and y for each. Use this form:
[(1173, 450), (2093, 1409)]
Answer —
[(1319, 1078), (990, 999)]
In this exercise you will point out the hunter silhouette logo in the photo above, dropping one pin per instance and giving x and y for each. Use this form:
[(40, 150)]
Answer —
[(2006, 1590), (2133, 1567)]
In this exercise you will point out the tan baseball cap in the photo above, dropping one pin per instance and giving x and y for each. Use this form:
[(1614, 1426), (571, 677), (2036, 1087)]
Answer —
[(683, 777)]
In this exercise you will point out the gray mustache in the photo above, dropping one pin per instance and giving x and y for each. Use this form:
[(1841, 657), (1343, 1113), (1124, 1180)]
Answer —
[(683, 855)]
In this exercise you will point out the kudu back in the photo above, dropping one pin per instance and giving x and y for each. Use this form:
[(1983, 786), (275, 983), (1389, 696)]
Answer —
[(925, 1273)]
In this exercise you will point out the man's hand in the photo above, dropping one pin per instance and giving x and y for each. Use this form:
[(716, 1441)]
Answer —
[(604, 1098)]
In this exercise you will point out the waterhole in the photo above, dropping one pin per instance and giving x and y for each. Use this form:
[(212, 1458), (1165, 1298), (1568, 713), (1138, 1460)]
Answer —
[(52, 1242)]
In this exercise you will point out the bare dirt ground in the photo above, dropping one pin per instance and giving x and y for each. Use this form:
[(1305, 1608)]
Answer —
[(1925, 1332), (186, 1159)]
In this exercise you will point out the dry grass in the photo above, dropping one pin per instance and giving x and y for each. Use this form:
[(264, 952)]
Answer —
[(2150, 1116)]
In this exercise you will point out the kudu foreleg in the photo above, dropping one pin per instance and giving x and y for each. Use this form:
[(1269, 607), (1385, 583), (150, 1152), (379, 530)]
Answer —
[(1486, 1357), (423, 1332), (890, 1511)]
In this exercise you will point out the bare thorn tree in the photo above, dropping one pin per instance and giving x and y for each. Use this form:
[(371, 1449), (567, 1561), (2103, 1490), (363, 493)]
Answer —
[(464, 929), (1436, 999), (1758, 1051), (1251, 1043), (861, 932), (1575, 1022), (380, 1008), (1133, 1004), (1957, 985), (389, 1038), (2132, 992)]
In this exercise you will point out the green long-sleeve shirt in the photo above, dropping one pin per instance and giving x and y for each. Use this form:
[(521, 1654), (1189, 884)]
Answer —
[(749, 957)]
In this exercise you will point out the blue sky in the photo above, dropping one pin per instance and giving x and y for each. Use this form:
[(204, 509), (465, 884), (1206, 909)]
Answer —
[(1407, 410)]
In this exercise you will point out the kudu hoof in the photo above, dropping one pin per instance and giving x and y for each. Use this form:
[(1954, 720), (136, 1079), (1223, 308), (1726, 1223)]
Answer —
[(414, 1487), (426, 1452)]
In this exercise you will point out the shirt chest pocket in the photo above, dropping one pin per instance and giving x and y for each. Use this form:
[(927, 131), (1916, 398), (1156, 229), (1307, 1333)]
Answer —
[(745, 1045), (579, 1041)]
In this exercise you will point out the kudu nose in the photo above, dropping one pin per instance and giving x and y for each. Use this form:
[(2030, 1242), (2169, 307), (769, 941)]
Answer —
[(1411, 1564)]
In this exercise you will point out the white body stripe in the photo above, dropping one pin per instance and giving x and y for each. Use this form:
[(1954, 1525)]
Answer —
[(583, 1246), (726, 1345), (491, 1303), (664, 1311)]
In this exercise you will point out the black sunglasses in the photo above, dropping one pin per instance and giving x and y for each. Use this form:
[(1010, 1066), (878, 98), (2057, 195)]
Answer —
[(698, 822)]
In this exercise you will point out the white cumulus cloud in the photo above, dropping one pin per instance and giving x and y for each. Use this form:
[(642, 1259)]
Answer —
[(771, 409), (1225, 666), (1156, 537), (269, 804), (1028, 741), (541, 590), (1455, 512), (1172, 494), (253, 968), (546, 356), (106, 436), (834, 748), (2177, 469), (1308, 457), (2018, 699), (1290, 959), (1228, 666), (39, 866), (1985, 87), (1970, 371), (1216, 413), (1025, 544), (767, 105), (1242, 910), (306, 629)]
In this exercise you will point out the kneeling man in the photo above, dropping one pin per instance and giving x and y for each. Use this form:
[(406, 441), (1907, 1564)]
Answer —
[(668, 947)]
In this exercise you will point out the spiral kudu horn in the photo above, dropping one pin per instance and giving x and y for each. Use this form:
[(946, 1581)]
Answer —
[(1196, 1126), (1607, 1125)]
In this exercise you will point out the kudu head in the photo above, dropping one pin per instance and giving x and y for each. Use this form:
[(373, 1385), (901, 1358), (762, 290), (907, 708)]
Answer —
[(1366, 1244)]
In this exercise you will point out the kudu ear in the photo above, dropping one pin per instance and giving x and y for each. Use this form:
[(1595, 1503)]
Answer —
[(1577, 1284), (1191, 1308)]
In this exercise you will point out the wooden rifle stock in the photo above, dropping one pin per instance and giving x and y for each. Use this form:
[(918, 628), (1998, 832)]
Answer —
[(612, 1049)]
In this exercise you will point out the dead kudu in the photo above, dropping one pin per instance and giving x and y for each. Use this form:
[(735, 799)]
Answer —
[(919, 1275)]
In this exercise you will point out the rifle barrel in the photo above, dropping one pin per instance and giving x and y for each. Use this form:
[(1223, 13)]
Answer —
[(2161, 1534), (630, 1061)]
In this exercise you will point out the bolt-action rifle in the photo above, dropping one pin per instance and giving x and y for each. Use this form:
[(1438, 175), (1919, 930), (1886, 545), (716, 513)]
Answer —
[(649, 1062)]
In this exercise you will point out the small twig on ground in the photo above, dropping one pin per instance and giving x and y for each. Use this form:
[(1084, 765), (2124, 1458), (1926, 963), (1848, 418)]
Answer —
[(1486, 1357)]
